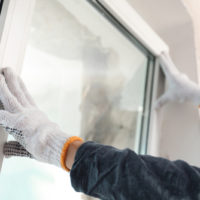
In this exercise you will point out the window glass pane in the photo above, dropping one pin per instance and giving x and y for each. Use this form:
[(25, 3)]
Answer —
[(87, 77)]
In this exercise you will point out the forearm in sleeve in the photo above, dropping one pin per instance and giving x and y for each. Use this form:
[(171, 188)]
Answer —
[(112, 174)]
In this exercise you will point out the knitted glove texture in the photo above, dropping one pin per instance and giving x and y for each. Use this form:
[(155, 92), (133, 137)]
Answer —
[(179, 87), (14, 148), (31, 128)]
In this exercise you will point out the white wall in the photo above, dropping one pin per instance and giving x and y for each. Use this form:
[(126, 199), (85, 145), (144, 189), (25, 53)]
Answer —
[(193, 7)]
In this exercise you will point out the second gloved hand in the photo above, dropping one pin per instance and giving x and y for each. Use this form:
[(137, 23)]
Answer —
[(180, 87)]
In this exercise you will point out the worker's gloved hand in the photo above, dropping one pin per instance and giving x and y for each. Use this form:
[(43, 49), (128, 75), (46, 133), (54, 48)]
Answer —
[(21, 118), (180, 87)]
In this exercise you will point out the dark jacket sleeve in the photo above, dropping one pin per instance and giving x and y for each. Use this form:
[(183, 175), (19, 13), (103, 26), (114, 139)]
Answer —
[(112, 174)]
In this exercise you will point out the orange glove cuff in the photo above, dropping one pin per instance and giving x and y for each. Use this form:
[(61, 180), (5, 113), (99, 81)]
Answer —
[(65, 149)]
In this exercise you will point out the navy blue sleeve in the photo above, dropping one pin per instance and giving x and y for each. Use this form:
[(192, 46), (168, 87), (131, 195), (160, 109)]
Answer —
[(111, 174)]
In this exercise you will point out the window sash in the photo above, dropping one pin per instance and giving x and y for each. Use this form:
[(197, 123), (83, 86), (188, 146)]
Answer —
[(15, 22)]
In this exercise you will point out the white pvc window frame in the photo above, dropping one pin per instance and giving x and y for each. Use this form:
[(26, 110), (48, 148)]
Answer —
[(14, 27), (125, 14), (15, 20)]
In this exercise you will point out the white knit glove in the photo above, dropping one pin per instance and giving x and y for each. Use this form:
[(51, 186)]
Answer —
[(180, 87), (21, 118)]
